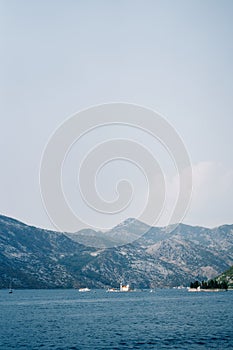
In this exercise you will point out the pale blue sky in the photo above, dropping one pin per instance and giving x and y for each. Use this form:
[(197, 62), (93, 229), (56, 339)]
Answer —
[(58, 57)]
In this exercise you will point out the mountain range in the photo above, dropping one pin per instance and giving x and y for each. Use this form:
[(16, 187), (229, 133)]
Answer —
[(31, 257)]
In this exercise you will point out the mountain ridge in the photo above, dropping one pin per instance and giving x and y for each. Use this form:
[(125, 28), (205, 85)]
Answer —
[(38, 258)]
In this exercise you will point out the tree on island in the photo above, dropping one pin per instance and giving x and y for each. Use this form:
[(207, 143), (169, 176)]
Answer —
[(195, 284)]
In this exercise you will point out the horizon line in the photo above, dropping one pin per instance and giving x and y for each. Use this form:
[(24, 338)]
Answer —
[(122, 222)]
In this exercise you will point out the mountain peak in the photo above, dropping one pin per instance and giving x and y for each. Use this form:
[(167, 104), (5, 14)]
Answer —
[(130, 222)]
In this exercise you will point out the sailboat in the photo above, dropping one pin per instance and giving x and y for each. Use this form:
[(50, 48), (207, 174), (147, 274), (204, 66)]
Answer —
[(10, 288)]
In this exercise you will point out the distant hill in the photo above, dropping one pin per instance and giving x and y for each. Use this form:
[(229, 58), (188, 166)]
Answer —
[(37, 258), (227, 276), (30, 256)]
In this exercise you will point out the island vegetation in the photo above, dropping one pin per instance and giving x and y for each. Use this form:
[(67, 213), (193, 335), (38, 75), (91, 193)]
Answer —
[(211, 284)]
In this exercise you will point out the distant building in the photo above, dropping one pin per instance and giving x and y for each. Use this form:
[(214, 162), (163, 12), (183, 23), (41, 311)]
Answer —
[(124, 287)]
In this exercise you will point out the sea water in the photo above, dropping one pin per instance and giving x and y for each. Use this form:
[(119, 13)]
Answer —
[(68, 319)]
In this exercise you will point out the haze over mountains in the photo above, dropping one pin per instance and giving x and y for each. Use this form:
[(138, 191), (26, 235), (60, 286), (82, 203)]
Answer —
[(35, 258), (126, 232)]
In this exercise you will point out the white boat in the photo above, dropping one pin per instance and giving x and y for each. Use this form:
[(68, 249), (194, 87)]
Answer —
[(112, 290), (84, 289)]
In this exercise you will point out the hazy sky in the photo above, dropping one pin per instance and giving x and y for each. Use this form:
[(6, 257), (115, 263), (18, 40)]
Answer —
[(175, 57)]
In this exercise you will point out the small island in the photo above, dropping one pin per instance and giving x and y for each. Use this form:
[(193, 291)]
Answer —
[(208, 286)]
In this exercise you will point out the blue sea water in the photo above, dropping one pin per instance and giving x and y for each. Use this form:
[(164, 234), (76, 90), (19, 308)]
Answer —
[(68, 319)]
